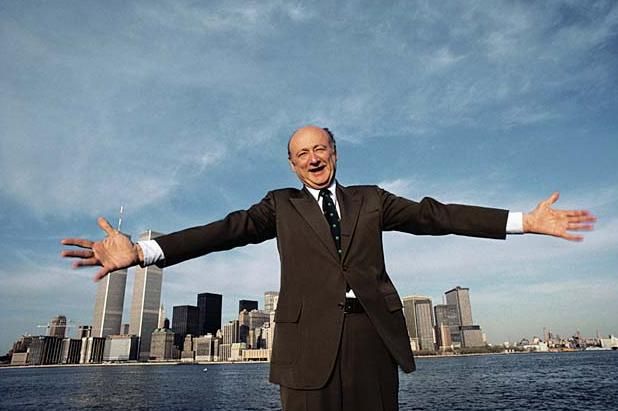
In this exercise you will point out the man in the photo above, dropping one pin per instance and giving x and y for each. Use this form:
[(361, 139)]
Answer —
[(340, 331)]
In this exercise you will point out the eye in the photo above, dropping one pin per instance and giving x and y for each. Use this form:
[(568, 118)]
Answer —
[(302, 154)]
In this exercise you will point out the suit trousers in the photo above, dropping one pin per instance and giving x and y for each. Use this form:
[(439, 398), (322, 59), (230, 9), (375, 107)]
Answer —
[(365, 376)]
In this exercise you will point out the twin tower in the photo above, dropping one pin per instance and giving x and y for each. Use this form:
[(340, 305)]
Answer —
[(145, 306)]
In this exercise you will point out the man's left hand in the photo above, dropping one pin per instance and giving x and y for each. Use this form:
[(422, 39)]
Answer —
[(549, 221)]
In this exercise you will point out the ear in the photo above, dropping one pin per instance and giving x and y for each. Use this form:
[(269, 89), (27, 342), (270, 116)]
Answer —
[(291, 163)]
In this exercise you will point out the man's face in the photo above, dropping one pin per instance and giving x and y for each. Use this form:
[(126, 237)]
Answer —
[(312, 157)]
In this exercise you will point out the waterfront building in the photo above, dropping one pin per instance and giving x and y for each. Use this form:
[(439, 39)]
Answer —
[(185, 320), (162, 345), (109, 304), (256, 355), (460, 298), (58, 326), (45, 349), (443, 337), (447, 315), (209, 316), (187, 354), (121, 348), (472, 336), (19, 358), (225, 352), (231, 332), (92, 350), (270, 301), (247, 305), (71, 349), (419, 321), (236, 351), (469, 333), (146, 301), (204, 347)]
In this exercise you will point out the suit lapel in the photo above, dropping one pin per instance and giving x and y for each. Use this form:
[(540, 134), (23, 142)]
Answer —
[(350, 204), (310, 211)]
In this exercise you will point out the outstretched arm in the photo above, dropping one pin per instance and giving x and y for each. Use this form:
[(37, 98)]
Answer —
[(114, 252), (549, 221)]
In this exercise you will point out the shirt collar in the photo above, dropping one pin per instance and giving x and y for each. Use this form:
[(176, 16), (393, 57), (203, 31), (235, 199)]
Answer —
[(315, 193)]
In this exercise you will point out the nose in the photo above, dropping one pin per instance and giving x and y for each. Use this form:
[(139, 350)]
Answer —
[(314, 158)]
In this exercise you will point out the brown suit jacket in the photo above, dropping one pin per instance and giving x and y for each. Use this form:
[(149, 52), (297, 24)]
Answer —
[(309, 315)]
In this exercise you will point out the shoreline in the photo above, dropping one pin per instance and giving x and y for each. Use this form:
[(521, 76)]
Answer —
[(205, 363)]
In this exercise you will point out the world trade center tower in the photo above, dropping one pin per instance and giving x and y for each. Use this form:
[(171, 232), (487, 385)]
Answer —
[(146, 301), (109, 303)]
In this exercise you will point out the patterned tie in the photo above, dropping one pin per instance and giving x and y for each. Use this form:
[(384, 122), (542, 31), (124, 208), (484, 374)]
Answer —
[(330, 212)]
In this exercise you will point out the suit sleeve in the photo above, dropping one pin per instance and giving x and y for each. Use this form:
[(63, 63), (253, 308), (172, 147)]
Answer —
[(430, 217), (252, 226)]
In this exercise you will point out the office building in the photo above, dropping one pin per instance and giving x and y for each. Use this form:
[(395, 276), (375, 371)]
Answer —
[(257, 318), (469, 334), (121, 348), (162, 345), (231, 332), (460, 298), (446, 315), (58, 326), (71, 349), (419, 321), (146, 301), (204, 347), (209, 317), (185, 320), (248, 305), (92, 350), (109, 303), (270, 301), (45, 350)]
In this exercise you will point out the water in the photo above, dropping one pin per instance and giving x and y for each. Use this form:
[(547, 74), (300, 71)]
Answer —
[(583, 381)]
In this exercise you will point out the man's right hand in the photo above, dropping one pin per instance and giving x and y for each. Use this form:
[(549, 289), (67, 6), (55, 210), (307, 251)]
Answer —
[(114, 252)]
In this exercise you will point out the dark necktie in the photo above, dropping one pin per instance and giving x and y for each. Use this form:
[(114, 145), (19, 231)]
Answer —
[(330, 212)]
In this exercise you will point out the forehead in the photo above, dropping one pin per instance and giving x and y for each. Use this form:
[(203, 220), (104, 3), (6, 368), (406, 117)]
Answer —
[(306, 139)]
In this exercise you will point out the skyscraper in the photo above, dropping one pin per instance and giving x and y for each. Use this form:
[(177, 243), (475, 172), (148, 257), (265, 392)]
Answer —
[(460, 298), (185, 321), (58, 326), (419, 321), (146, 301), (270, 301), (109, 303), (446, 316), (248, 305), (470, 335), (209, 317)]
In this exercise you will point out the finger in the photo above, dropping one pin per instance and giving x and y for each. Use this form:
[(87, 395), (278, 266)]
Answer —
[(552, 198), (77, 253), (578, 213), (100, 274), (86, 262), (105, 226), (572, 237), (78, 242), (580, 227)]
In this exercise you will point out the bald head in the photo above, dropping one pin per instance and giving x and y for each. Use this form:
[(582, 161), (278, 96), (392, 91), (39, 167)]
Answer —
[(313, 156), (309, 129)]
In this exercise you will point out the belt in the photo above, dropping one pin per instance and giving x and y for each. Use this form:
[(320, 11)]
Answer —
[(352, 305)]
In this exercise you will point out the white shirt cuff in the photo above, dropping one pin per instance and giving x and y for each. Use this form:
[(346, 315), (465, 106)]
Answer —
[(515, 223), (152, 252)]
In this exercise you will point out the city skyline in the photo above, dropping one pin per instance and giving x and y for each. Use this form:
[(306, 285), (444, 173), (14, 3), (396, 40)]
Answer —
[(181, 112)]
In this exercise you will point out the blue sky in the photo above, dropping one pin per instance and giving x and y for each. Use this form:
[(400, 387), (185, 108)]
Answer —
[(181, 112)]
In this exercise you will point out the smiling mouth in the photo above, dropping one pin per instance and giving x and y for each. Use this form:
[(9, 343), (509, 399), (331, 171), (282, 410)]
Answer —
[(317, 169)]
